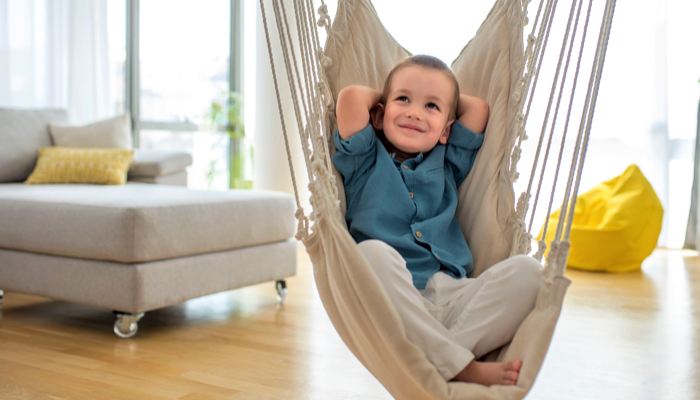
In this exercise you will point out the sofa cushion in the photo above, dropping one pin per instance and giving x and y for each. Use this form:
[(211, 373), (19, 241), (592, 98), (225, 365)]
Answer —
[(139, 222), (178, 178), (22, 133), (108, 133), (152, 163)]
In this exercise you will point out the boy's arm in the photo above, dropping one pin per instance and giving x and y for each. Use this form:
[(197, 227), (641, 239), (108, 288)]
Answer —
[(472, 112), (352, 110)]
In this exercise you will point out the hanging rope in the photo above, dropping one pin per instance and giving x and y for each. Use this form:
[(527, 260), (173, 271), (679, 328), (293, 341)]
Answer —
[(522, 238), (556, 262), (288, 48), (556, 110), (347, 286), (323, 88), (316, 100), (303, 222), (542, 244)]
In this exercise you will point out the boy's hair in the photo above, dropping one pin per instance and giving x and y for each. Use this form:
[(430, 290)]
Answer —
[(426, 61)]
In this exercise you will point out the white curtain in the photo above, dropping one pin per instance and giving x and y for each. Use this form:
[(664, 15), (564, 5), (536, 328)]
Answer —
[(692, 239), (54, 54)]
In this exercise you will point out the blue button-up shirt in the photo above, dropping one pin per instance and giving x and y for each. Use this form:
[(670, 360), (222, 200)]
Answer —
[(409, 205)]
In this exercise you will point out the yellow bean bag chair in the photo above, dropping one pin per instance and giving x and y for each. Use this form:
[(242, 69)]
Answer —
[(616, 224)]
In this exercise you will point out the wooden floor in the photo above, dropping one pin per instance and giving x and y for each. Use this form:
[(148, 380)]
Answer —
[(628, 336)]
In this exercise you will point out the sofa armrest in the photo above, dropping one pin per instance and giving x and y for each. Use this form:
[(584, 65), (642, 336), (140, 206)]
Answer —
[(151, 163)]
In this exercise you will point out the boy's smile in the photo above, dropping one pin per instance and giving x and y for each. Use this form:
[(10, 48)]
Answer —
[(415, 117)]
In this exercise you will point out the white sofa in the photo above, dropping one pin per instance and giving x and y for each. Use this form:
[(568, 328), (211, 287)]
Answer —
[(135, 247)]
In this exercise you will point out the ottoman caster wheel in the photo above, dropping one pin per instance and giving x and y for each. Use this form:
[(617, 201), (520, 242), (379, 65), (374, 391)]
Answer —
[(126, 324), (281, 287)]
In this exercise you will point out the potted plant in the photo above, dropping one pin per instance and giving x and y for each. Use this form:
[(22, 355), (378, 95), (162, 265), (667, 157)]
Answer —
[(226, 114)]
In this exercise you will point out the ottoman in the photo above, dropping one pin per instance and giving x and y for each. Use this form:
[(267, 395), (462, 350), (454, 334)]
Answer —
[(139, 247)]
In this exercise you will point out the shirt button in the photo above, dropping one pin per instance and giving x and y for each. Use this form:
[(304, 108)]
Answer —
[(436, 255), (418, 234), (411, 193), (405, 167)]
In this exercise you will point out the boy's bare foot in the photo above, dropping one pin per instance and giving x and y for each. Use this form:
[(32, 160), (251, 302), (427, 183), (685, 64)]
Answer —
[(491, 373)]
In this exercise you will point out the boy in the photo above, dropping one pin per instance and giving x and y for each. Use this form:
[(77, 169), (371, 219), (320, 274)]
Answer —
[(401, 172)]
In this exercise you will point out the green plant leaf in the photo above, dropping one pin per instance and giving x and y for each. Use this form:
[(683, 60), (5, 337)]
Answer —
[(226, 112)]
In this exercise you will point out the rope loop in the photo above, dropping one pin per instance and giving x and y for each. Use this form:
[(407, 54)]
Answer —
[(541, 248), (325, 92), (325, 20), (302, 225), (518, 229), (556, 260), (519, 225), (563, 255), (314, 211), (522, 206), (320, 171), (515, 156), (564, 247), (531, 39), (554, 251), (517, 93), (513, 175), (325, 61), (525, 241), (521, 239)]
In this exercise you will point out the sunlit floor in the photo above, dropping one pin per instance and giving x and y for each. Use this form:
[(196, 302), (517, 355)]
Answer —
[(629, 336)]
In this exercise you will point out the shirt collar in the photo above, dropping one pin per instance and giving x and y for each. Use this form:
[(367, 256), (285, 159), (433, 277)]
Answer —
[(417, 159)]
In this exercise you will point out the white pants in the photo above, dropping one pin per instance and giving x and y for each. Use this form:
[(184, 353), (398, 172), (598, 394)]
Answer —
[(453, 320)]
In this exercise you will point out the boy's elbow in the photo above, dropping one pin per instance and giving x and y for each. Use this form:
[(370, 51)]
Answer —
[(484, 109), (353, 107), (484, 114), (348, 94), (347, 100)]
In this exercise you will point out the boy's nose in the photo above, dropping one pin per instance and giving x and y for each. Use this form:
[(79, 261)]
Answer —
[(413, 113)]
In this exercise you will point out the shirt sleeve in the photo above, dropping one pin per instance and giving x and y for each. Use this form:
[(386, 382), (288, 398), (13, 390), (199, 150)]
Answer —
[(355, 155), (462, 146)]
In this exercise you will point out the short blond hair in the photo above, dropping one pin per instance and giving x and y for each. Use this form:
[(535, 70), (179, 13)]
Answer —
[(425, 61)]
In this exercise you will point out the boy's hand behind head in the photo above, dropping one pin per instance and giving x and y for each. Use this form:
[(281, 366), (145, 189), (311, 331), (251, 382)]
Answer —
[(352, 109)]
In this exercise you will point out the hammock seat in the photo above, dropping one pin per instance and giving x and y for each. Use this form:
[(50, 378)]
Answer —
[(359, 50)]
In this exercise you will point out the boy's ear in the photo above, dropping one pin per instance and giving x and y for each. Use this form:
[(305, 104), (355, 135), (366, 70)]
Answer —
[(446, 133), (377, 116)]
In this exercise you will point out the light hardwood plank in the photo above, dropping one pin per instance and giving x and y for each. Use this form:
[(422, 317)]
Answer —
[(620, 336)]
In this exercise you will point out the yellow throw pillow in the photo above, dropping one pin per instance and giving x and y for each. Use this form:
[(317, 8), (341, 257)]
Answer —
[(81, 165)]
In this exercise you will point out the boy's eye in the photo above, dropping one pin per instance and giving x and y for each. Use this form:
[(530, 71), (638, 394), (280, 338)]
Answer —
[(433, 106), (402, 98)]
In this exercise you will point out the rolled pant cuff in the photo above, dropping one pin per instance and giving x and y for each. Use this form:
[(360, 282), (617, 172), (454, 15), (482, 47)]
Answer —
[(458, 360)]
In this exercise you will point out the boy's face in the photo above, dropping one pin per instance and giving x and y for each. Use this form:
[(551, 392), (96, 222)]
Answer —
[(415, 117)]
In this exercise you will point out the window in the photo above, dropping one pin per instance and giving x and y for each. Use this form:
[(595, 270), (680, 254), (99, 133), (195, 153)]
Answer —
[(170, 60)]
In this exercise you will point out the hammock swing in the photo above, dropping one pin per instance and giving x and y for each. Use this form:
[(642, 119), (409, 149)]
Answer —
[(495, 66)]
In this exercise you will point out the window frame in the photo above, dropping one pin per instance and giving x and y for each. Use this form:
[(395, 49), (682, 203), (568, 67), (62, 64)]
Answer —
[(132, 74)]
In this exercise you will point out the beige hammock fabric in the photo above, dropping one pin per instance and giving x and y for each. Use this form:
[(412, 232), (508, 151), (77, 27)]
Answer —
[(359, 50), (490, 67)]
